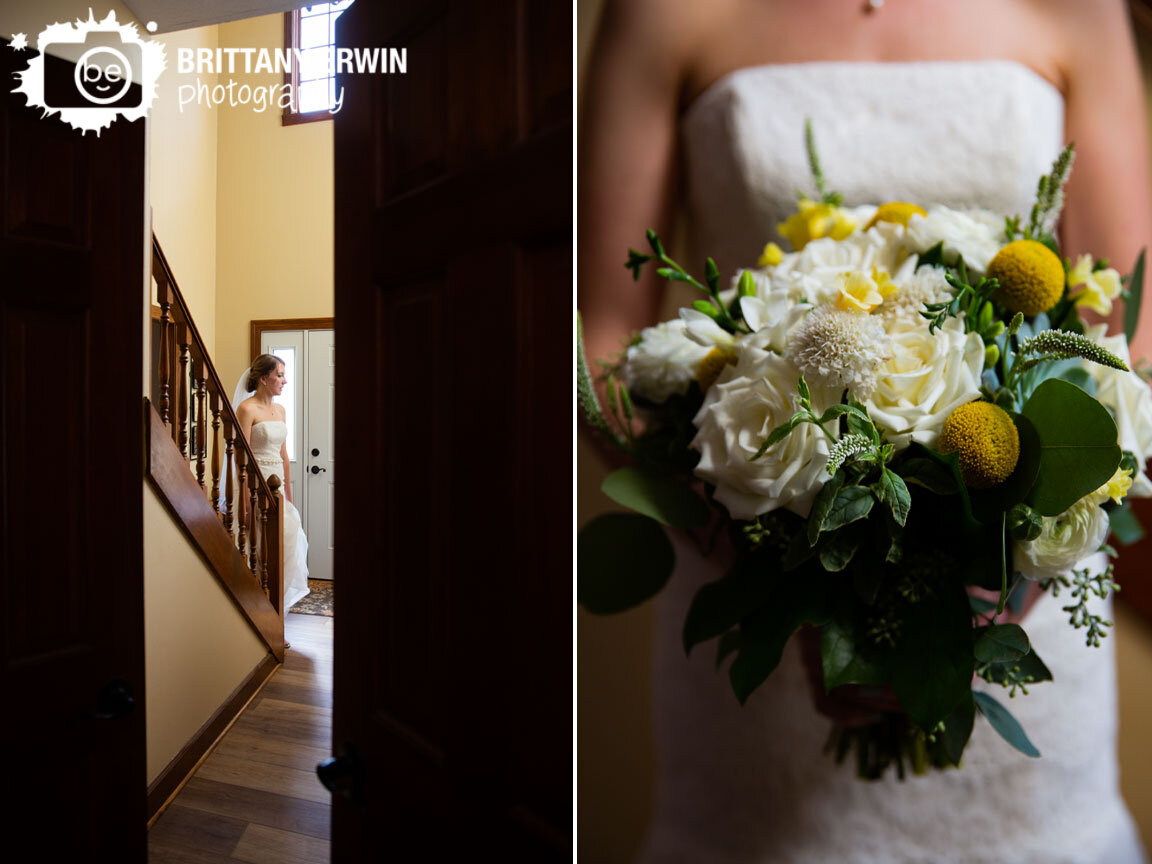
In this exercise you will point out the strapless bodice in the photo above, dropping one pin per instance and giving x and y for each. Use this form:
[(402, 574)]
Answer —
[(964, 134), (267, 437)]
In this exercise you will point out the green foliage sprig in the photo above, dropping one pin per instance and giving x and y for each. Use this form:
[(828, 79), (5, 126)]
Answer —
[(978, 312), (826, 197), (673, 272), (1083, 585), (1051, 345), (1050, 196), (586, 393)]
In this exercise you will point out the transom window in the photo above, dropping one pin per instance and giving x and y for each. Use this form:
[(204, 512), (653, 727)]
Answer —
[(312, 30)]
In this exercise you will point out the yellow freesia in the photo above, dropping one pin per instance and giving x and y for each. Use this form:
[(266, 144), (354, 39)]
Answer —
[(813, 220), (1116, 488), (771, 256), (1094, 289)]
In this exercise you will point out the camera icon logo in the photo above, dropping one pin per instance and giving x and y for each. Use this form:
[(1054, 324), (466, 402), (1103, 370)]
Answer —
[(115, 75)]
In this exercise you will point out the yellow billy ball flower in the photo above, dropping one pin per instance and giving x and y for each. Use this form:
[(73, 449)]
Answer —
[(986, 441), (771, 256), (898, 212), (813, 220), (1031, 277), (711, 365)]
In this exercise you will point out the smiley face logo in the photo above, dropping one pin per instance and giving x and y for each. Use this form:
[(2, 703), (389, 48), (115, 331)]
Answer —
[(103, 75)]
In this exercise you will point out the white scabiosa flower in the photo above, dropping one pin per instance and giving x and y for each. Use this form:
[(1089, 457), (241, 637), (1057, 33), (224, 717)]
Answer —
[(901, 310), (838, 349), (976, 235), (1064, 540), (663, 363), (927, 376), (741, 409), (1128, 397)]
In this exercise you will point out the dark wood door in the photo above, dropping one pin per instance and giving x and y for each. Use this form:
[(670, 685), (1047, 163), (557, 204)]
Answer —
[(453, 550), (71, 450)]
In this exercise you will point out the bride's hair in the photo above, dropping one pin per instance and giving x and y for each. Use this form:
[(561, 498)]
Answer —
[(261, 366)]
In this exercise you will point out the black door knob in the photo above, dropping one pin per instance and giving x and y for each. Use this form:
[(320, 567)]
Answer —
[(343, 775), (316, 469), (315, 451)]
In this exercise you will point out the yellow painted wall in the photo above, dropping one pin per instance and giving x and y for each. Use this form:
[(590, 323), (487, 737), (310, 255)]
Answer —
[(199, 647), (183, 153), (274, 239)]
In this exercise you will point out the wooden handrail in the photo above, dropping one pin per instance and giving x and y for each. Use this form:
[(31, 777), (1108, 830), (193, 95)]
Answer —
[(251, 507)]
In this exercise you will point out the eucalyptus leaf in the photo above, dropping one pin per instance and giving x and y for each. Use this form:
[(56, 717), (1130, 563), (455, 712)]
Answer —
[(851, 503), (843, 660), (718, 606), (622, 559), (980, 605), (1126, 528), (1135, 297), (1001, 643), (958, 729), (929, 474), (1004, 723), (1030, 666), (657, 495), (728, 643), (1078, 449)]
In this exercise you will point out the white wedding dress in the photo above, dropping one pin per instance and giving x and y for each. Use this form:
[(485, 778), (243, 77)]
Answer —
[(751, 785), (267, 437)]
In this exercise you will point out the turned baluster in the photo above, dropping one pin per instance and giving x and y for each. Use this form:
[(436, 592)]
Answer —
[(201, 420), (163, 295), (228, 479), (253, 486), (264, 537), (215, 400), (242, 488), (275, 546), (182, 389)]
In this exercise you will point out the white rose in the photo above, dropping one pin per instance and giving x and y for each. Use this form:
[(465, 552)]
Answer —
[(1128, 397), (926, 379), (976, 235), (664, 362), (1064, 540), (741, 409)]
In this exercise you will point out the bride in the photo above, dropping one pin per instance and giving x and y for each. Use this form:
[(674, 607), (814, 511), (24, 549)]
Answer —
[(262, 424), (699, 108)]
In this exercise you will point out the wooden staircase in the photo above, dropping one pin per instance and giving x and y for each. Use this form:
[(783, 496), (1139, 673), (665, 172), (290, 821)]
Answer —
[(233, 520)]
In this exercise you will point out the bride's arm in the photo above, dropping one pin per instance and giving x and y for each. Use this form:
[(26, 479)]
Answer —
[(1108, 210), (627, 139)]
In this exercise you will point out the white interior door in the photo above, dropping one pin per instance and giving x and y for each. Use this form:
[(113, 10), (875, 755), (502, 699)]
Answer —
[(319, 458)]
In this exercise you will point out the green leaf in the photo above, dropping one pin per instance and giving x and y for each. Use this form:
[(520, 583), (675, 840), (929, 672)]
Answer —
[(718, 606), (801, 598), (728, 643), (980, 605), (837, 549), (844, 663), (933, 257), (1030, 665), (1126, 528), (802, 389), (711, 275), (851, 503), (891, 490), (656, 494), (1078, 449), (931, 475), (1135, 297), (1023, 477), (951, 463), (775, 436), (932, 664), (1073, 373), (958, 729), (622, 559), (1004, 723), (1001, 643), (823, 505)]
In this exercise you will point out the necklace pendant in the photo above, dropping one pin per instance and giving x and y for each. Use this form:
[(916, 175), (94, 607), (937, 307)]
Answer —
[(872, 6)]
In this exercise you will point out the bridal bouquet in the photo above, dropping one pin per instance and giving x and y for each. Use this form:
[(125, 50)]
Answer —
[(905, 405)]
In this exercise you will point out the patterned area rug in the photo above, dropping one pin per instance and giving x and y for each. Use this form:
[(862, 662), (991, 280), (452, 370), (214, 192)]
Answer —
[(319, 601)]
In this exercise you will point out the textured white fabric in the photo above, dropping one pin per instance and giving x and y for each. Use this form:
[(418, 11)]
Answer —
[(751, 784), (267, 437)]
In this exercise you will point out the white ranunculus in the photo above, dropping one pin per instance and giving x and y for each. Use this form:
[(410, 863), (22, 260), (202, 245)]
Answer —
[(664, 362), (1129, 399), (741, 409), (976, 235), (927, 377), (1064, 540)]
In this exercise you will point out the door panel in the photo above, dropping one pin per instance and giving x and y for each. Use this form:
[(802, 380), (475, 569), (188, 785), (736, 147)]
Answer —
[(71, 495), (318, 457), (453, 293)]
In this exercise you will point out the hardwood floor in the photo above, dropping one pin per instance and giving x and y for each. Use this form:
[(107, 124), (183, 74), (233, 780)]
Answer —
[(256, 798)]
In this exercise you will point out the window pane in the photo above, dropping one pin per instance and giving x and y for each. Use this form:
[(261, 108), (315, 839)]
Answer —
[(287, 396), (314, 63), (314, 96), (314, 31), (315, 9)]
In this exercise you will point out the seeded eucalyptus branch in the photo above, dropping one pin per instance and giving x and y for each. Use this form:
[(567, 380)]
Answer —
[(1082, 585)]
